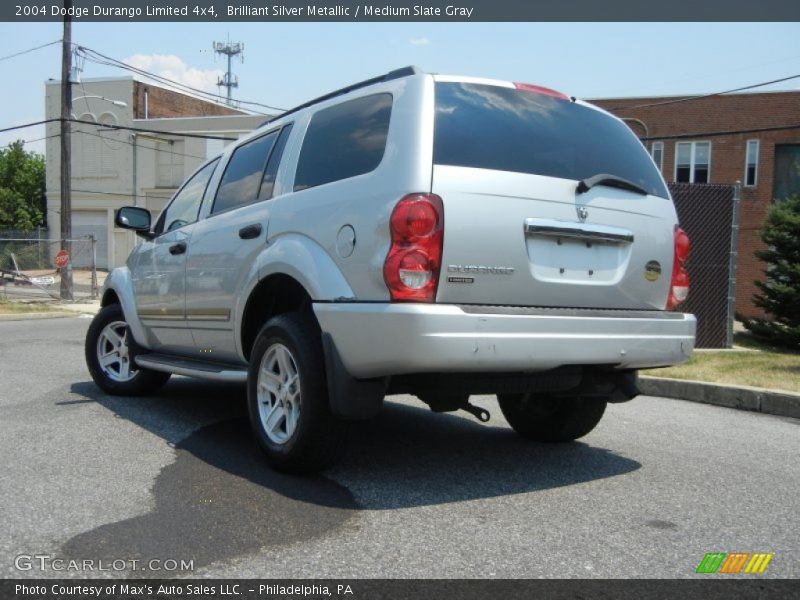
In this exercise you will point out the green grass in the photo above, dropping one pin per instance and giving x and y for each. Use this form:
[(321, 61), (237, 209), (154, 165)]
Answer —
[(751, 362)]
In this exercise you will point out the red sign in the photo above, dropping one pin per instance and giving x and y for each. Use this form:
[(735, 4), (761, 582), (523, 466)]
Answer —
[(62, 258)]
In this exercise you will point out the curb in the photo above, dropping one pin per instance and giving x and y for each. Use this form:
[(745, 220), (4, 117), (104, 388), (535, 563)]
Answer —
[(772, 402), (36, 315)]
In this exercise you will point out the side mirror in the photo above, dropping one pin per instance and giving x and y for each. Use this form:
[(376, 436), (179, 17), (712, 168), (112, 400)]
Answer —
[(135, 218)]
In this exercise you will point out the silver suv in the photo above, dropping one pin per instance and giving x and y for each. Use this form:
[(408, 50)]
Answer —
[(413, 233)]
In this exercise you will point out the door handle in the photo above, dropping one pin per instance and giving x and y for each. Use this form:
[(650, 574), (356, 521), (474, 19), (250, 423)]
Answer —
[(250, 232), (178, 248)]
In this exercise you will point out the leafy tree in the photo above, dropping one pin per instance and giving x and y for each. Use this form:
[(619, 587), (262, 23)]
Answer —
[(22, 188), (780, 294)]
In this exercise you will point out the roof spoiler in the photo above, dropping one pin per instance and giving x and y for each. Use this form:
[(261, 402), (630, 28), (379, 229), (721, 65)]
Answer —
[(396, 74)]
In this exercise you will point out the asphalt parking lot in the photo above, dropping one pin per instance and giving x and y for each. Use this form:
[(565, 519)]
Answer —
[(657, 485)]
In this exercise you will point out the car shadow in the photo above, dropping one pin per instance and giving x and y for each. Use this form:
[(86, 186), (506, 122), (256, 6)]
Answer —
[(219, 499), (407, 456)]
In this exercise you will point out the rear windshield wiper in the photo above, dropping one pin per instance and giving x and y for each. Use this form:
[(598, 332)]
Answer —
[(584, 185)]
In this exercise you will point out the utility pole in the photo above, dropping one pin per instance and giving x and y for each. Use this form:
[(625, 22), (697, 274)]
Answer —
[(66, 148), (229, 80)]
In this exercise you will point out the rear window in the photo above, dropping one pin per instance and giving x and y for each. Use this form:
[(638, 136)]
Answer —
[(506, 129), (343, 141)]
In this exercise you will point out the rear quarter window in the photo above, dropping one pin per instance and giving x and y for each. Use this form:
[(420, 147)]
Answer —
[(508, 129), (343, 141), (242, 178)]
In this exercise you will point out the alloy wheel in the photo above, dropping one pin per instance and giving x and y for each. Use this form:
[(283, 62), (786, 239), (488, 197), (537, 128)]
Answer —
[(278, 390), (113, 352)]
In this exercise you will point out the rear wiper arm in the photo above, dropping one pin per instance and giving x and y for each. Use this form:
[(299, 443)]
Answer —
[(584, 185)]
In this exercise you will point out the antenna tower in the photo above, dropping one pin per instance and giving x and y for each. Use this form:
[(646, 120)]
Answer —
[(230, 50)]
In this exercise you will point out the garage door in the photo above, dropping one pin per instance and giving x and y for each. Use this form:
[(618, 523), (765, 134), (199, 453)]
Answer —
[(86, 222)]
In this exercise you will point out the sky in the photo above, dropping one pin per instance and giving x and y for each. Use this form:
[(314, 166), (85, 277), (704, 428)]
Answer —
[(286, 64)]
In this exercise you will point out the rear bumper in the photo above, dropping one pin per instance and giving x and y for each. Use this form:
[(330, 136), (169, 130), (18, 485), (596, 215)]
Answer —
[(377, 339)]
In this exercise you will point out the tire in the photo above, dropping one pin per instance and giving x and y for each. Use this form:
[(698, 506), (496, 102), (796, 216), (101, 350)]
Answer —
[(545, 418), (287, 397), (109, 337)]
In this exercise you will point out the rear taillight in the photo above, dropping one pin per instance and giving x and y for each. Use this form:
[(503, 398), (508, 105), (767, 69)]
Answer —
[(411, 269), (679, 285)]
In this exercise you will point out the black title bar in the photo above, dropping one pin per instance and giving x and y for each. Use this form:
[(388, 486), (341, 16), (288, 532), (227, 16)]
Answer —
[(402, 10), (388, 589)]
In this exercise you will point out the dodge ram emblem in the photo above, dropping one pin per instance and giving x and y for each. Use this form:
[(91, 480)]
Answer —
[(583, 213)]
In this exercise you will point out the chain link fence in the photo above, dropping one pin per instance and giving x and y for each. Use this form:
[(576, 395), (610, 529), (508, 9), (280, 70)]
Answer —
[(28, 270), (709, 214)]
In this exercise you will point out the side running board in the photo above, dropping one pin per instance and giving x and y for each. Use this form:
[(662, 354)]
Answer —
[(192, 368)]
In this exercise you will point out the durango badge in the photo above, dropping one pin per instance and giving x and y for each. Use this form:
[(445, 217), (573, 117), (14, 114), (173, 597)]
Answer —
[(652, 270)]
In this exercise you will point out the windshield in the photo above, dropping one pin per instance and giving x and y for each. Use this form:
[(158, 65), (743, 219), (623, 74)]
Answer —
[(506, 129)]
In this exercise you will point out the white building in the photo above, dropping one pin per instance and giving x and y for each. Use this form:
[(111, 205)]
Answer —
[(113, 168)]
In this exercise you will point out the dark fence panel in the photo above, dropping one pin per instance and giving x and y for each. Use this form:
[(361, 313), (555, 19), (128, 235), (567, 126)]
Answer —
[(707, 212)]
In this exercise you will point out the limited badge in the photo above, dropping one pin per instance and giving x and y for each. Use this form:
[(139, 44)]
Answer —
[(652, 270)]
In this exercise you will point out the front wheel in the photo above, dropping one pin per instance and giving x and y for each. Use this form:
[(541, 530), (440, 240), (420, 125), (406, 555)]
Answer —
[(287, 397), (546, 418), (110, 358)]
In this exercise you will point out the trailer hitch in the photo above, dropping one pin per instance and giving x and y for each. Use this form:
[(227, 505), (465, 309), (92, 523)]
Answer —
[(480, 413), (454, 402)]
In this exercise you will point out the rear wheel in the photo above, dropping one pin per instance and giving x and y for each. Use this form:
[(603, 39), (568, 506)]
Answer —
[(110, 357), (287, 397), (546, 418)]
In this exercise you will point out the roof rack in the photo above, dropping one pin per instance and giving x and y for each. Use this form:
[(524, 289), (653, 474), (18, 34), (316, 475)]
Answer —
[(396, 74)]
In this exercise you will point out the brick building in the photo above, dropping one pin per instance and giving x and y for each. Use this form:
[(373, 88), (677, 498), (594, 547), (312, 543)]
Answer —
[(688, 142)]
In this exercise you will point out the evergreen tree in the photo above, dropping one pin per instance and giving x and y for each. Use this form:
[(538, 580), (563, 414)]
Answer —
[(780, 293)]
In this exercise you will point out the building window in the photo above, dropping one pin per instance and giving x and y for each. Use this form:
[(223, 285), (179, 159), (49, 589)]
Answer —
[(657, 152), (786, 181), (692, 162), (751, 164)]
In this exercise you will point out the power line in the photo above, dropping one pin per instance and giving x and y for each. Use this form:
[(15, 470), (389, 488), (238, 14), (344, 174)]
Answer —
[(29, 125), (159, 131), (138, 146), (110, 139), (39, 139), (107, 193), (748, 67), (718, 133), (124, 128), (30, 50), (89, 55), (100, 58), (47, 137), (690, 98)]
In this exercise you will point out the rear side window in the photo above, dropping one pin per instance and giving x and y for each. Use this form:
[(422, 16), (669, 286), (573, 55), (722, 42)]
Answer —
[(506, 129), (242, 178), (343, 141), (271, 172)]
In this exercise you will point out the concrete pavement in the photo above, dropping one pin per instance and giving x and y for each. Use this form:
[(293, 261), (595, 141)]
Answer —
[(657, 485)]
